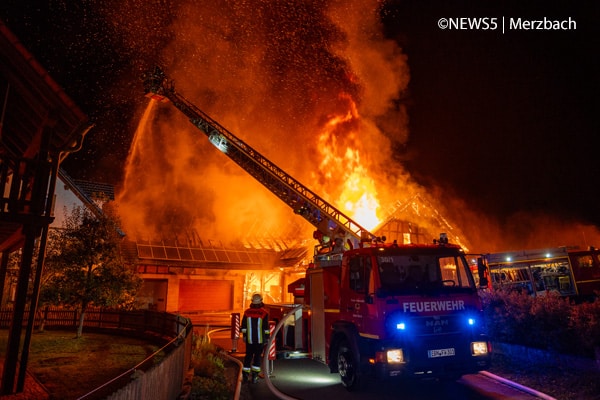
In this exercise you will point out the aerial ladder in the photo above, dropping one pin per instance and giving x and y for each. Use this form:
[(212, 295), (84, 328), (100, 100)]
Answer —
[(330, 222)]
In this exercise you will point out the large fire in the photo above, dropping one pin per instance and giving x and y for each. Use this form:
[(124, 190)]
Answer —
[(312, 85), (308, 85), (342, 160)]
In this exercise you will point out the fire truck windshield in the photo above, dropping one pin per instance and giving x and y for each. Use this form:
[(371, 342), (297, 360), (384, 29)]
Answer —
[(409, 273)]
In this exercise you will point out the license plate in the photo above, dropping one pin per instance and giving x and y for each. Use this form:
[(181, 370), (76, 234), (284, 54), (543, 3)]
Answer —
[(440, 352)]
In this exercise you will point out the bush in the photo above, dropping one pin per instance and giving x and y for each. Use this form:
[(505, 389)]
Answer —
[(209, 381), (548, 322), (204, 388), (585, 318)]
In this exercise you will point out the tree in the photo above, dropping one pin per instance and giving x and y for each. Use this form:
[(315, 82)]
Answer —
[(84, 268)]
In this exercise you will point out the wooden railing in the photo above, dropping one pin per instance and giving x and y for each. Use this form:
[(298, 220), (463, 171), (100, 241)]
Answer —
[(157, 323), (160, 380)]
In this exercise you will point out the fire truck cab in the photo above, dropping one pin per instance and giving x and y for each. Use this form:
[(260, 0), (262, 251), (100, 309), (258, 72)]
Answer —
[(391, 310)]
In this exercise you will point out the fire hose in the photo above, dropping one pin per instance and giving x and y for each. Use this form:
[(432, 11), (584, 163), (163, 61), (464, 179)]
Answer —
[(272, 387)]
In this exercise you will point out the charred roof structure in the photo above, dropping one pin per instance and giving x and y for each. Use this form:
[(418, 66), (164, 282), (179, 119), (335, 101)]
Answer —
[(39, 126)]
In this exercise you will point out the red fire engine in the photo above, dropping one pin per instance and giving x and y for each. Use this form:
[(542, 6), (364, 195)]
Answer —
[(569, 272), (391, 310), (368, 307)]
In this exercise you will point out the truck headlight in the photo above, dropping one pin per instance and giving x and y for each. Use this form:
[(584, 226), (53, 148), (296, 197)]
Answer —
[(395, 356), (479, 348)]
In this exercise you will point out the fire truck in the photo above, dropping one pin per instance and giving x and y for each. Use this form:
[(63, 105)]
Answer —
[(566, 271), (394, 310), (365, 307)]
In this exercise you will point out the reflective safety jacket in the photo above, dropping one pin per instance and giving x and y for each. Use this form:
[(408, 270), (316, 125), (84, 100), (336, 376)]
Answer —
[(255, 325)]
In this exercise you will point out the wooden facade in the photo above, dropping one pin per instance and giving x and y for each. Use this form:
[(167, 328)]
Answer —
[(40, 126)]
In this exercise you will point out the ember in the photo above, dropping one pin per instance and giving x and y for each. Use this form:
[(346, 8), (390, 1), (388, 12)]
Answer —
[(308, 86), (317, 88)]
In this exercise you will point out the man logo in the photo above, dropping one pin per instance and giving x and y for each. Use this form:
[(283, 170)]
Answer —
[(437, 322)]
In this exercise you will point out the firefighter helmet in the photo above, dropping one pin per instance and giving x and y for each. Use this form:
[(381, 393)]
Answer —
[(257, 298)]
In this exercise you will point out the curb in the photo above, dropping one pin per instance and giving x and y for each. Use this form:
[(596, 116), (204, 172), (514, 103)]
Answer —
[(238, 386), (517, 386)]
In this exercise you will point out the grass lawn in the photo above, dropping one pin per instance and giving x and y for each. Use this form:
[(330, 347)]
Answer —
[(69, 367), (559, 382)]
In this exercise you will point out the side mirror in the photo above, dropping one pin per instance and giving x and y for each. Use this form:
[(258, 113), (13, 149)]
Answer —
[(481, 272)]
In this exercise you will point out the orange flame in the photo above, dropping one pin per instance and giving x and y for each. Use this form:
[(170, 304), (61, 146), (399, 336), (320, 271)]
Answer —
[(358, 196)]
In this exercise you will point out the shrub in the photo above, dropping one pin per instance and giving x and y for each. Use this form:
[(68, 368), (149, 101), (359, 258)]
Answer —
[(548, 322), (209, 381), (585, 320), (204, 388), (506, 315)]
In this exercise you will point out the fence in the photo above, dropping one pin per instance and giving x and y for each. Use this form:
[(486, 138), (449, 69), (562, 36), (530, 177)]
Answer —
[(158, 377)]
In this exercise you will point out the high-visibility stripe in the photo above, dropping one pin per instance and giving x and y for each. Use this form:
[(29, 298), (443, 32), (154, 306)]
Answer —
[(258, 330), (251, 329), (253, 325)]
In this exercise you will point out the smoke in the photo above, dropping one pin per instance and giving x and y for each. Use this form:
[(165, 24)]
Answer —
[(522, 230), (274, 74), (277, 74)]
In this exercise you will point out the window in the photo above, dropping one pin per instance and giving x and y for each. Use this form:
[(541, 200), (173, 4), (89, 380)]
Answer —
[(454, 272), (535, 277), (585, 261), (360, 270), (406, 272)]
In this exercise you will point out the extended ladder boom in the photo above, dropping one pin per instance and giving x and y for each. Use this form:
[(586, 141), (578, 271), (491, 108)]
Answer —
[(328, 220)]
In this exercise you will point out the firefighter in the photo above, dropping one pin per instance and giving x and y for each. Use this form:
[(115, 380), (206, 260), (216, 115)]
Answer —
[(255, 328), (338, 246)]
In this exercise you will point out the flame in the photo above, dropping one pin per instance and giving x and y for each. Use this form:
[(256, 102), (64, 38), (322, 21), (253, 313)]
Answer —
[(331, 92), (363, 210), (341, 156), (275, 76)]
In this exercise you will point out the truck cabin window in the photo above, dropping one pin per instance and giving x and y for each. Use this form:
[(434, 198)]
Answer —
[(359, 271), (410, 272)]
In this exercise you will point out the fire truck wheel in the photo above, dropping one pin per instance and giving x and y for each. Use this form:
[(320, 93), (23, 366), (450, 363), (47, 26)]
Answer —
[(348, 367)]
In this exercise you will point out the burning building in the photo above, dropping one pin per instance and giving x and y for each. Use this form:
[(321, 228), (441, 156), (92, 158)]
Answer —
[(317, 88), (171, 262)]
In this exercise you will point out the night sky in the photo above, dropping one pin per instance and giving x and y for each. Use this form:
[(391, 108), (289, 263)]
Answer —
[(505, 121), (509, 120)]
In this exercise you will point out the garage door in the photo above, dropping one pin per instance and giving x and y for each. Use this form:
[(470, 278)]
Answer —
[(205, 295)]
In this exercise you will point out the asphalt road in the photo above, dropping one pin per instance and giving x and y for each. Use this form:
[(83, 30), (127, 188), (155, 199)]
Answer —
[(307, 379)]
